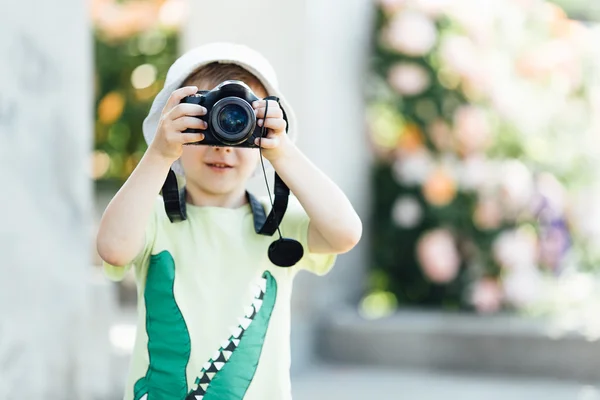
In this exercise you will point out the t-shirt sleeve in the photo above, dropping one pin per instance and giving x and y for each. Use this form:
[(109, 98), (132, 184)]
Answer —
[(295, 225), (117, 273)]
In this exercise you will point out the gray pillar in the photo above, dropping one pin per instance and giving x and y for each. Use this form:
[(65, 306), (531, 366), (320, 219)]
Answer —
[(45, 199)]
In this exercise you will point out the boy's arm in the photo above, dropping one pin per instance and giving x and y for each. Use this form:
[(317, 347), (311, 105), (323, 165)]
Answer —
[(121, 235), (334, 225)]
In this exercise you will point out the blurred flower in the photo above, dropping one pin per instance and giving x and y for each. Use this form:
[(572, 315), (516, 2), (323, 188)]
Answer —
[(440, 187), (411, 140), (441, 135), (515, 249), (472, 129), (152, 42), (385, 125), (378, 304), (433, 8), (554, 235), (100, 164), (407, 212), (551, 195), (459, 54), (476, 18), (172, 13), (554, 58), (585, 214), (476, 172), (409, 79), (392, 6), (516, 185), (554, 241), (523, 287), (438, 256), (411, 33), (487, 296), (413, 168), (121, 20), (110, 108), (488, 214), (143, 76)]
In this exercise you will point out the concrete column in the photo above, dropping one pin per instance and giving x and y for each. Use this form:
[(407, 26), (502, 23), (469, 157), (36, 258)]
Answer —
[(45, 201)]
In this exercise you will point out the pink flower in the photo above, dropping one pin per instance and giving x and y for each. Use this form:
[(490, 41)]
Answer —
[(472, 129), (411, 33), (409, 79), (438, 256), (488, 214), (459, 54), (487, 296)]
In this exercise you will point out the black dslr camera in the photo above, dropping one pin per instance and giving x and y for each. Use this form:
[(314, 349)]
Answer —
[(230, 117)]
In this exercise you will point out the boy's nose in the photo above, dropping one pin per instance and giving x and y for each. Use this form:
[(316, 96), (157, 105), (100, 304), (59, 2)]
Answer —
[(226, 149)]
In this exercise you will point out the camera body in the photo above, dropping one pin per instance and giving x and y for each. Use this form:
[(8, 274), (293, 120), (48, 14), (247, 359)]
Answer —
[(230, 117)]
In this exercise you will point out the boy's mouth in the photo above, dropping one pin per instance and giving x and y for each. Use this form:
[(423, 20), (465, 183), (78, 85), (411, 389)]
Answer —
[(219, 166)]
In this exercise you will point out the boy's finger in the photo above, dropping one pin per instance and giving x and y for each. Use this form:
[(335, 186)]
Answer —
[(186, 138), (277, 124), (272, 113), (181, 110), (183, 123), (263, 103), (178, 95), (267, 143)]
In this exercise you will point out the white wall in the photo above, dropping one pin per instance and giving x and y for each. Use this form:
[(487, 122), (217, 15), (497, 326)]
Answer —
[(45, 199), (318, 49)]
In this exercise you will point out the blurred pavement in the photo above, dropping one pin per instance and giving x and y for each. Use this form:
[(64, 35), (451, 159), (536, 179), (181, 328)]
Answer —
[(348, 383)]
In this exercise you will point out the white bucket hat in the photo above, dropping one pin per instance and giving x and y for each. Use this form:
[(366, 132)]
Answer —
[(225, 53)]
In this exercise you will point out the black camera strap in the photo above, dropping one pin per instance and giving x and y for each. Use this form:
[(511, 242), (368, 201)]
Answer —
[(284, 252), (174, 199)]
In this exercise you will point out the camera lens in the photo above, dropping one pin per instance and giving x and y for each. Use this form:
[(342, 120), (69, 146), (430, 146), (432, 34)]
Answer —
[(233, 119)]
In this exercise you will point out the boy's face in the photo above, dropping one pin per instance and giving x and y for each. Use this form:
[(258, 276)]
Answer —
[(218, 171)]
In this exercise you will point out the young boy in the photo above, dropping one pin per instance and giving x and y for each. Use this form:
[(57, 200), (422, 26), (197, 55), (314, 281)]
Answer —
[(213, 310)]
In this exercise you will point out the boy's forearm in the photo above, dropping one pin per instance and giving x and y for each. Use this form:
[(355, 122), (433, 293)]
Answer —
[(121, 234), (329, 209)]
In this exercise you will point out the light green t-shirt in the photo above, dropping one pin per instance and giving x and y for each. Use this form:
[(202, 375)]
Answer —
[(213, 311)]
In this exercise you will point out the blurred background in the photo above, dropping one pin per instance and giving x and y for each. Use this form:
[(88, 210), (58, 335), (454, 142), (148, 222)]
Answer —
[(465, 132)]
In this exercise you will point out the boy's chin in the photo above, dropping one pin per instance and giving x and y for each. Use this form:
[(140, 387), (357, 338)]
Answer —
[(221, 188)]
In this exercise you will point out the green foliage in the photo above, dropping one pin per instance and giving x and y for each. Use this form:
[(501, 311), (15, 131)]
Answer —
[(120, 108), (473, 125)]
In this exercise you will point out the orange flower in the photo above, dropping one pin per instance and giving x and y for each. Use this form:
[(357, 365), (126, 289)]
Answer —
[(111, 108), (411, 139), (440, 188), (119, 21)]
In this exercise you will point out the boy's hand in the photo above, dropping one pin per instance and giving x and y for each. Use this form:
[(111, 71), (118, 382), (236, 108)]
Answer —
[(276, 142), (176, 118)]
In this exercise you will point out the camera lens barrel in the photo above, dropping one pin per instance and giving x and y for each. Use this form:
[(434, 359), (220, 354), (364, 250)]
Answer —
[(233, 120)]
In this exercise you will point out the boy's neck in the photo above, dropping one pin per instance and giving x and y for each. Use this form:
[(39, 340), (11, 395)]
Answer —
[(200, 198)]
